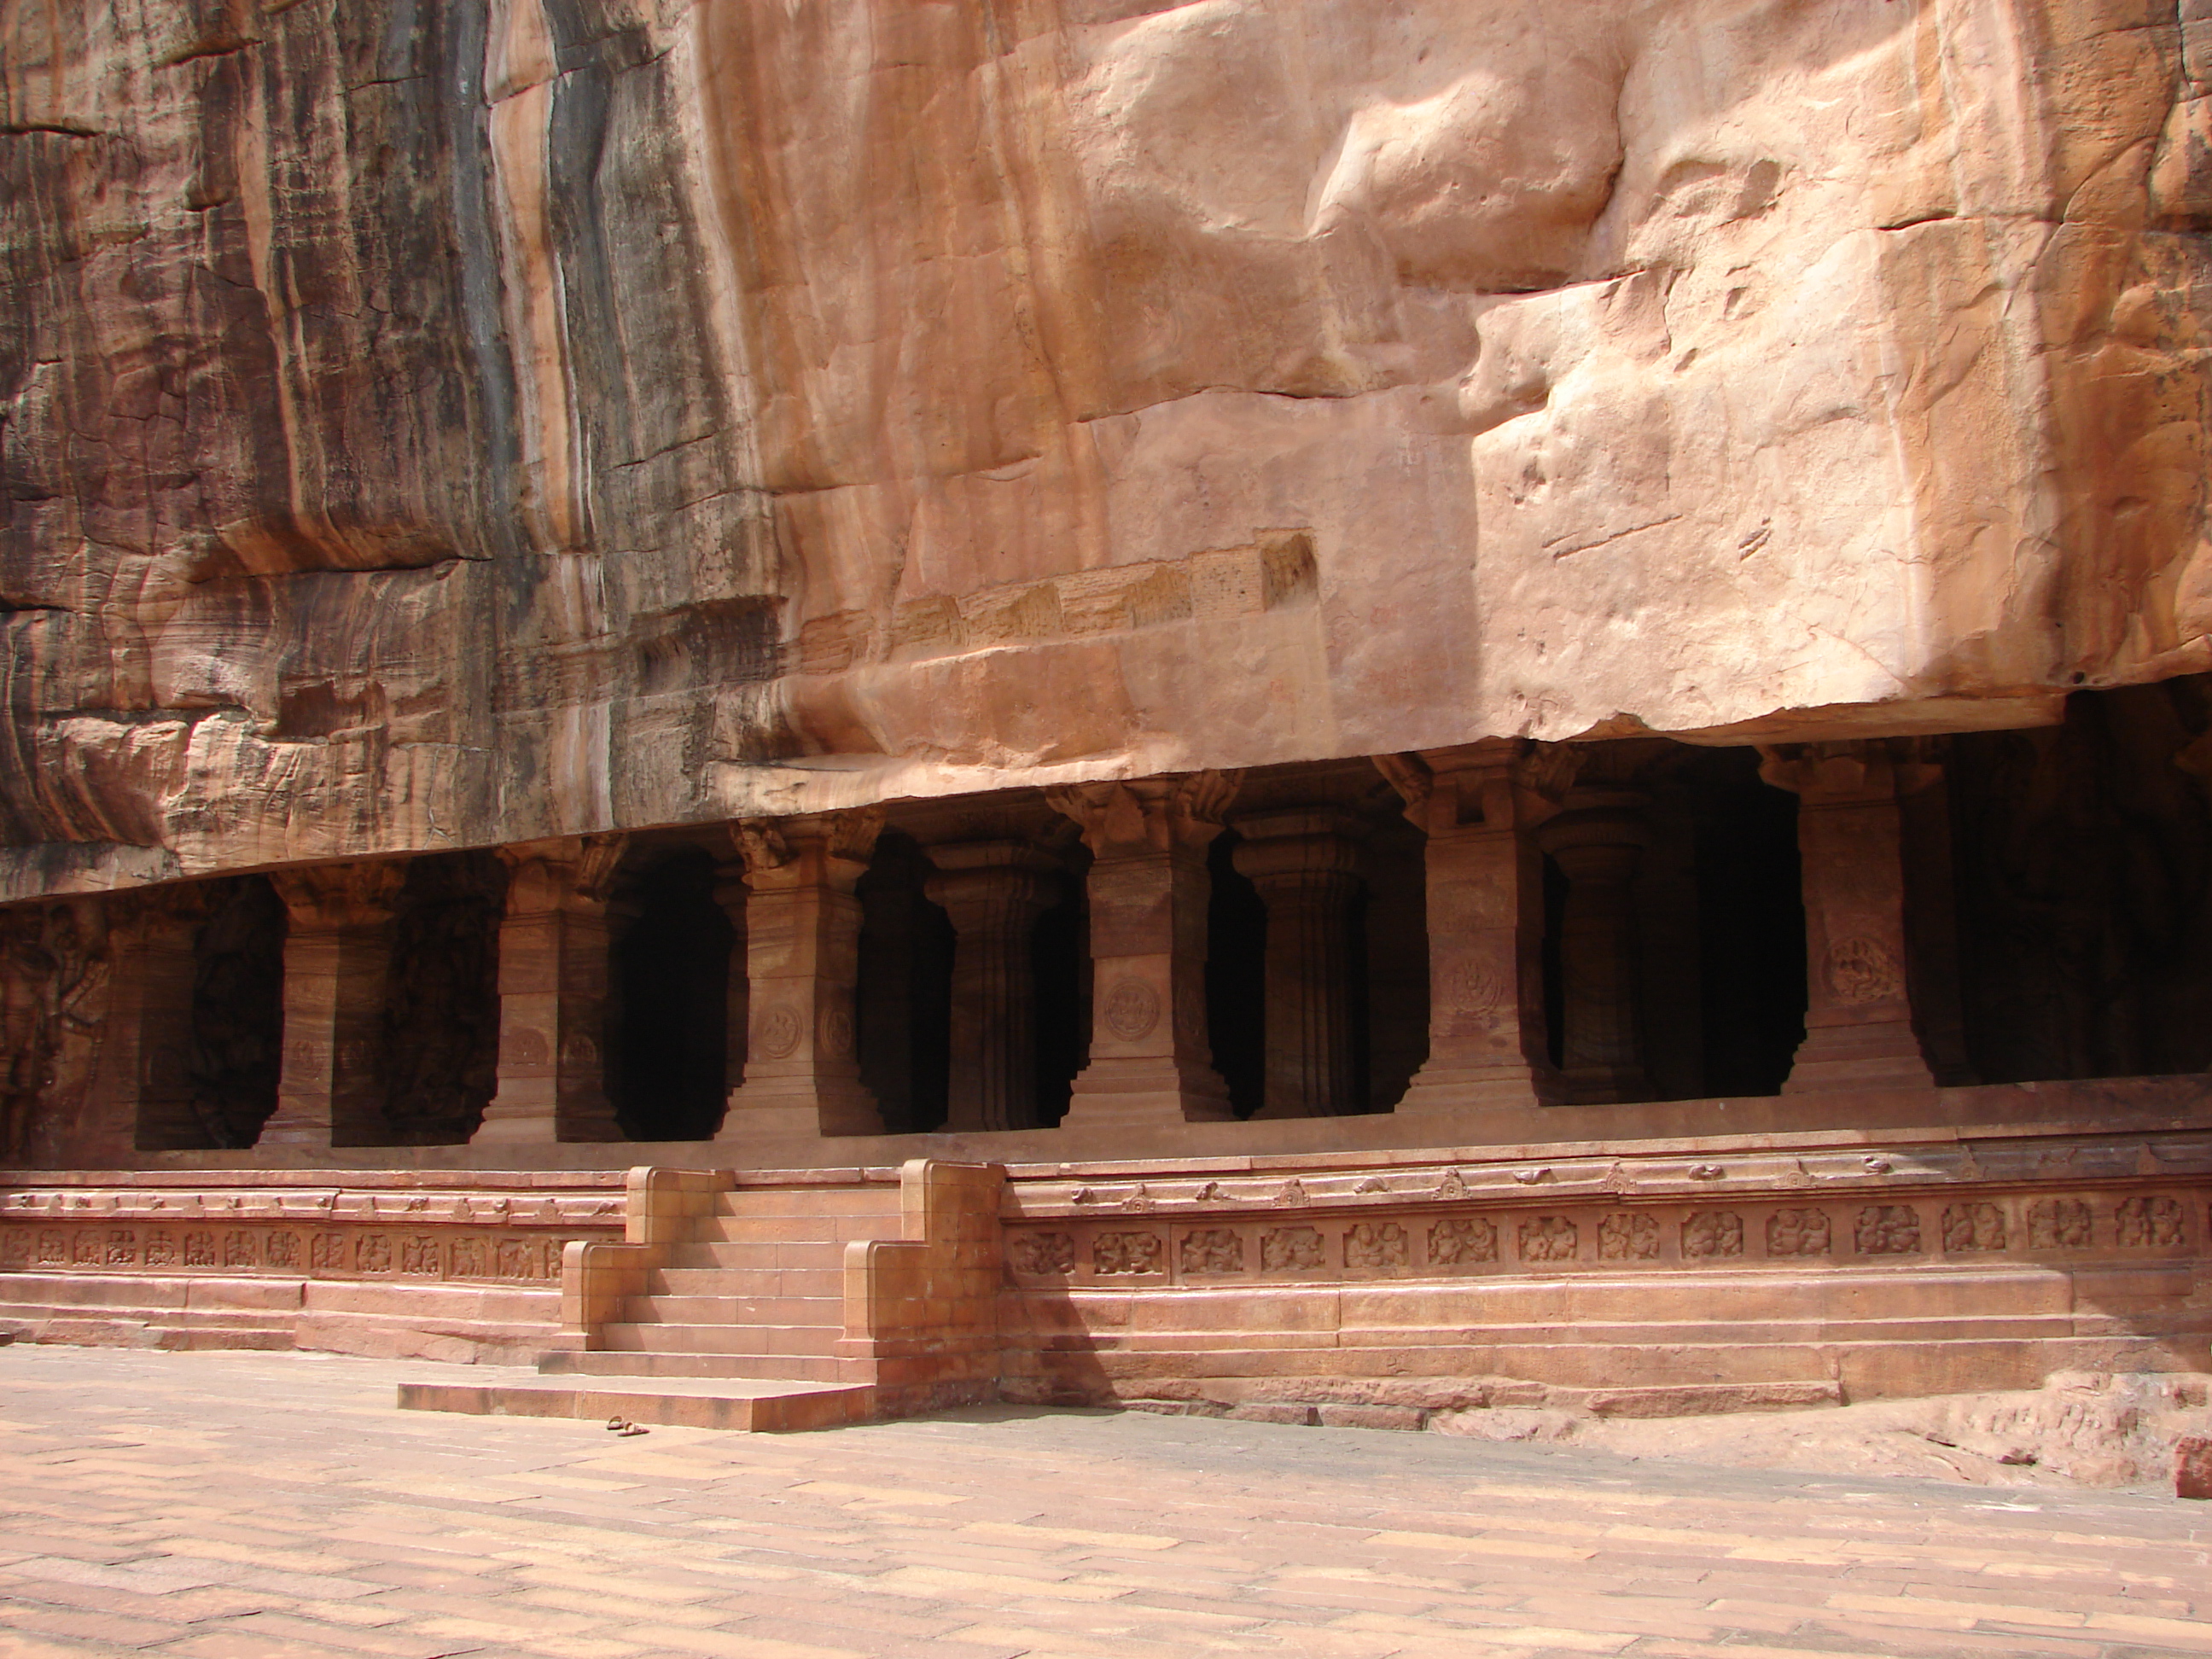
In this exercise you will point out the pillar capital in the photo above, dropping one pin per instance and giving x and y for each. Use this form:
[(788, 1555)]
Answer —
[(571, 872), (819, 848), (1857, 771), (326, 898), (1497, 784), (1148, 815)]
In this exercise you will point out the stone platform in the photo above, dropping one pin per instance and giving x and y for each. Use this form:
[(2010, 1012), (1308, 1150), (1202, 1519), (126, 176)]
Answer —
[(1709, 1272)]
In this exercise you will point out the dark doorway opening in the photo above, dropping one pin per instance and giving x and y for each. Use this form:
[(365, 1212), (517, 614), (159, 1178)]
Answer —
[(237, 1014), (1060, 960), (1751, 923), (442, 1000), (668, 1021), (1236, 978)]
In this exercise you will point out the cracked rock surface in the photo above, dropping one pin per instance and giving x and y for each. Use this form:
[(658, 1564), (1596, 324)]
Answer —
[(440, 423)]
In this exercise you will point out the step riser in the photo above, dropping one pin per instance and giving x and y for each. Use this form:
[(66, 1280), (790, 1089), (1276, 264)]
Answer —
[(791, 1229), (822, 1256), (822, 1408), (803, 1368), (824, 1312), (765, 1281), (721, 1338), (874, 1202)]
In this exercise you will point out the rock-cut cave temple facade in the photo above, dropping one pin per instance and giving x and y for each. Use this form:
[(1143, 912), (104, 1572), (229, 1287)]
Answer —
[(1318, 689)]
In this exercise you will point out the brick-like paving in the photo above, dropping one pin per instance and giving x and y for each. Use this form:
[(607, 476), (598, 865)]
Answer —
[(228, 1506)]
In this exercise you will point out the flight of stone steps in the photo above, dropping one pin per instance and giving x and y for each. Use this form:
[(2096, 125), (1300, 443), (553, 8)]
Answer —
[(742, 1323)]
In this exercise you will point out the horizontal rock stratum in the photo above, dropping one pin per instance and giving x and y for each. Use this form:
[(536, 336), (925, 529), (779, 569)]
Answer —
[(448, 424)]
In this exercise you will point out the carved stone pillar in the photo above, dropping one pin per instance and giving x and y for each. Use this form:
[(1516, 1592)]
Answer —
[(1479, 803), (553, 995), (337, 955), (147, 1062), (733, 897), (802, 957), (994, 891), (1597, 842), (1858, 1017), (1150, 1061), (1305, 865)]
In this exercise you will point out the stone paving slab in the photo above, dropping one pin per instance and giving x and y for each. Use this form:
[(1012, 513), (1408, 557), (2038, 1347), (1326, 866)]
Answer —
[(232, 1505)]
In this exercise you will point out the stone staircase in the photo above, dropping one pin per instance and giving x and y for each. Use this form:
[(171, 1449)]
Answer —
[(777, 1304)]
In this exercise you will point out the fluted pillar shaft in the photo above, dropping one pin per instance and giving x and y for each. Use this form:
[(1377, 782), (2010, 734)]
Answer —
[(1597, 843), (802, 1075), (1304, 865), (993, 892), (1858, 1017), (338, 957), (553, 971), (1150, 1062)]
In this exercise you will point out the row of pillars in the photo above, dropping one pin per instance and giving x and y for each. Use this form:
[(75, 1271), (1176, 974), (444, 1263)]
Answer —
[(1491, 813)]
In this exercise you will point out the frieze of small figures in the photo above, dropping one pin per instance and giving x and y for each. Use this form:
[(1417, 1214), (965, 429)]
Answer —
[(1413, 1238), (178, 1246)]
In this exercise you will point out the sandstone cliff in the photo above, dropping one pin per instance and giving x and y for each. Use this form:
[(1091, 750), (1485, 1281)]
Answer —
[(435, 422)]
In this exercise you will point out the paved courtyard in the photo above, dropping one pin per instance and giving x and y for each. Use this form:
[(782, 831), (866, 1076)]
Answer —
[(236, 1506)]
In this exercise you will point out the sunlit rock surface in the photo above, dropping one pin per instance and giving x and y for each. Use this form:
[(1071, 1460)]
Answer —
[(438, 422)]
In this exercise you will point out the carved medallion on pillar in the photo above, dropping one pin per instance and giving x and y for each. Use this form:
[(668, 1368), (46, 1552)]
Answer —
[(802, 1073), (1479, 803), (994, 891), (1151, 1063), (1858, 1018), (1305, 865), (337, 954), (553, 994)]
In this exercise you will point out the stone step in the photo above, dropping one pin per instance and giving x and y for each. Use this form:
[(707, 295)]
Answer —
[(734, 1307), (873, 1203), (764, 1282), (757, 1255), (791, 1229), (669, 1338), (757, 1404), (804, 1367)]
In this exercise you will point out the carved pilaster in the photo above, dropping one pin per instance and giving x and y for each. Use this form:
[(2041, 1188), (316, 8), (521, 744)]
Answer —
[(1858, 1020), (994, 891), (553, 994), (1479, 803), (802, 1073), (337, 954), (1150, 1062), (1305, 866)]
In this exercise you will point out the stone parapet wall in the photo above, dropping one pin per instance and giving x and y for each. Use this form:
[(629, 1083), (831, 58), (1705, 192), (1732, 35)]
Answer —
[(1854, 1269), (380, 1262)]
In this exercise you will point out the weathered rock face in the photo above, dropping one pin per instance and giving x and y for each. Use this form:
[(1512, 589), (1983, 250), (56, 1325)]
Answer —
[(438, 423)]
